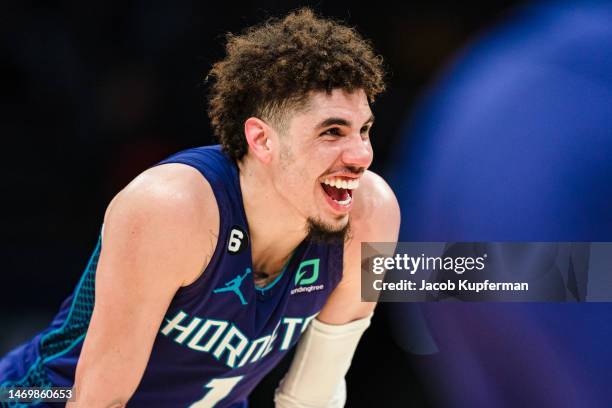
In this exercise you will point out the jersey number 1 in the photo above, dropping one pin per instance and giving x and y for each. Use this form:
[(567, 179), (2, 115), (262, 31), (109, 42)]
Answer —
[(219, 388)]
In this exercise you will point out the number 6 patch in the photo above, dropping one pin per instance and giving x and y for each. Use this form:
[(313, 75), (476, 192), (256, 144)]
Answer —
[(237, 241)]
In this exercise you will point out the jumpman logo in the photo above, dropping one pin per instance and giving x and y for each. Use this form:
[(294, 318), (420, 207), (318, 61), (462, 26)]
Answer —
[(234, 286)]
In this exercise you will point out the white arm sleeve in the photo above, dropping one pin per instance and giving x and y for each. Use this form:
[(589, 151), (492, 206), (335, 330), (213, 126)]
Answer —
[(323, 356)]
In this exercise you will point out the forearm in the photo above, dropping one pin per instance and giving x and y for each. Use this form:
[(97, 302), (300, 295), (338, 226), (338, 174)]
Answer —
[(108, 375), (102, 386), (322, 359)]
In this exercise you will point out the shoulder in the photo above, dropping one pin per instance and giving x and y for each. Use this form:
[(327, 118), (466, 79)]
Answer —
[(175, 191), (375, 217), (167, 205), (376, 213)]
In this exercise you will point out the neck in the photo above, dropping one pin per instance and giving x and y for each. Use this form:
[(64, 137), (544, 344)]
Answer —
[(275, 228)]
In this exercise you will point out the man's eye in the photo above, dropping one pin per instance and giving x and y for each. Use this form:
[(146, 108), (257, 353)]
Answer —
[(333, 132)]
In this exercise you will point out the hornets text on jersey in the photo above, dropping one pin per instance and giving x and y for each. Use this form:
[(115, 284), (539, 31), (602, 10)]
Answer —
[(221, 334)]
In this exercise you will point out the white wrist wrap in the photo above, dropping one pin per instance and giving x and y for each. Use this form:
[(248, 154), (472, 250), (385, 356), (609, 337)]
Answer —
[(323, 356)]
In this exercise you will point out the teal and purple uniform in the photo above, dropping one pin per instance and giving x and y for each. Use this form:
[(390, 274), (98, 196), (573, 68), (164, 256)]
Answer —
[(221, 334)]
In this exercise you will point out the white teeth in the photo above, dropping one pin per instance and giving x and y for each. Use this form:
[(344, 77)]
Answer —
[(342, 183), (345, 202)]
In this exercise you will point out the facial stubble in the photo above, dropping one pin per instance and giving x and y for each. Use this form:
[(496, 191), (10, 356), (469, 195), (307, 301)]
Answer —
[(322, 232)]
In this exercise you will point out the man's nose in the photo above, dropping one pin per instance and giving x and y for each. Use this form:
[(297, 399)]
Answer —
[(358, 152)]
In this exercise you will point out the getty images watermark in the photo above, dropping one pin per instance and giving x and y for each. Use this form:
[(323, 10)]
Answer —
[(486, 271), (459, 265)]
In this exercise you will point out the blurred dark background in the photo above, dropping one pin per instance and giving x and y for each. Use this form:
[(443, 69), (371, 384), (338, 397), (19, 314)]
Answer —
[(95, 92)]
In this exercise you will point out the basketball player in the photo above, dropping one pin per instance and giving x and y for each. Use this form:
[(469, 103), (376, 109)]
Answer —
[(211, 265)]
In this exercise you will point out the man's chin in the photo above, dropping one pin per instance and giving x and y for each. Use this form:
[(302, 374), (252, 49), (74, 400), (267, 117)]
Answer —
[(326, 232)]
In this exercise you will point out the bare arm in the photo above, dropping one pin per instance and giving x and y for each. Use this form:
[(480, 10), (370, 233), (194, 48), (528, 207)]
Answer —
[(376, 219), (323, 356), (156, 239)]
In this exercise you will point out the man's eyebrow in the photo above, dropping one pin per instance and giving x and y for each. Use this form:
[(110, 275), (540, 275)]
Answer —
[(333, 121), (340, 122)]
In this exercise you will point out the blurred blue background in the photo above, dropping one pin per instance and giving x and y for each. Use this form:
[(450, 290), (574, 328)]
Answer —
[(514, 143)]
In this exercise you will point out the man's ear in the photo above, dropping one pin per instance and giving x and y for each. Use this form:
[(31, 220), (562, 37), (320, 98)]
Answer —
[(258, 134)]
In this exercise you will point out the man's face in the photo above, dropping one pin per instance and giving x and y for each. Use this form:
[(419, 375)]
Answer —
[(323, 152)]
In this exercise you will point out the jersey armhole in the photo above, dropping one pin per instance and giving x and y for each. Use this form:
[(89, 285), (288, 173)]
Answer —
[(220, 196)]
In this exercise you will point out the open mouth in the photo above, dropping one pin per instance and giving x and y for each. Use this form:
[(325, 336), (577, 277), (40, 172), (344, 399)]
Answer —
[(340, 190)]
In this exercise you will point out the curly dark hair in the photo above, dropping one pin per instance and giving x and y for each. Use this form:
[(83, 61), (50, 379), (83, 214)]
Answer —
[(272, 67)]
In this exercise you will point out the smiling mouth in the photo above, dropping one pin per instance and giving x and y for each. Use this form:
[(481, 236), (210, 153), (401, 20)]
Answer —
[(340, 190)]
